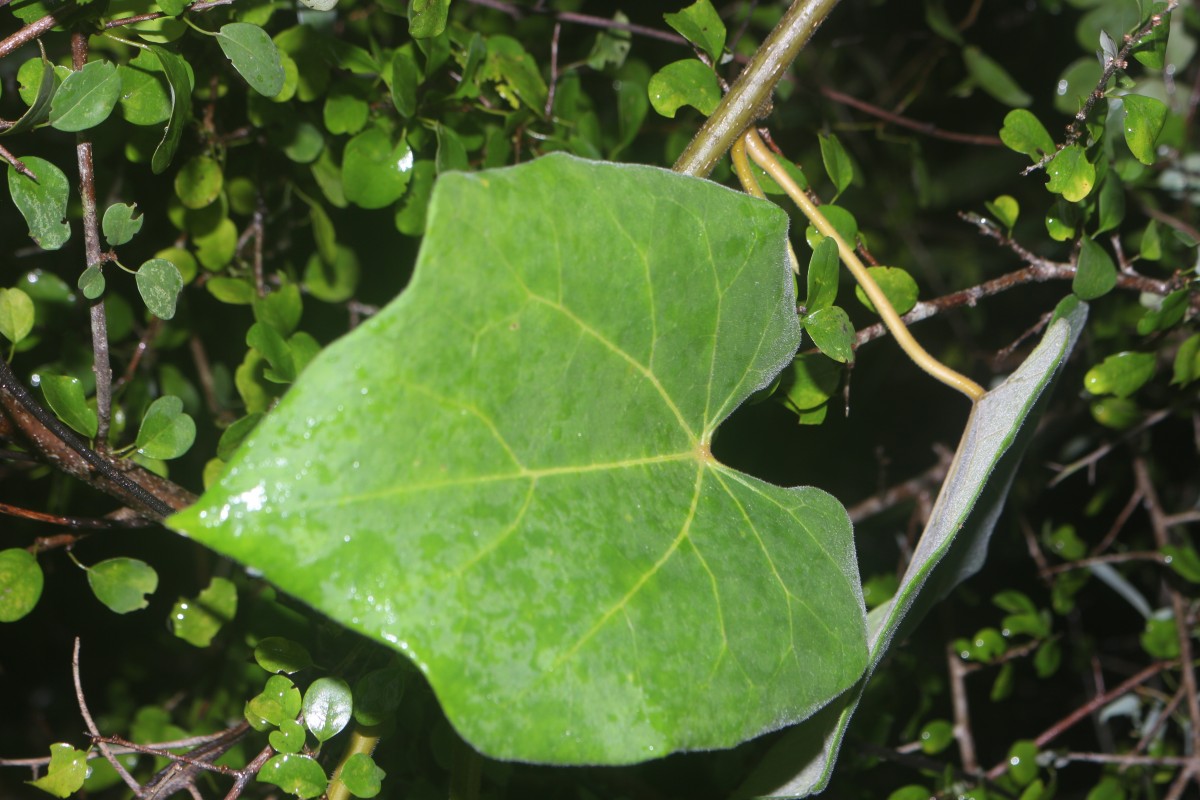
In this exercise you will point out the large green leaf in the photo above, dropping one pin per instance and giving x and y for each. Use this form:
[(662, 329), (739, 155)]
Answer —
[(952, 548), (506, 474)]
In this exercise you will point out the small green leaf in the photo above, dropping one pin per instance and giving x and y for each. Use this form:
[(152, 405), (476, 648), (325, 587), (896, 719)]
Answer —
[(21, 582), (234, 291), (294, 773), (701, 25), (278, 701), (1184, 561), (612, 45), (65, 396), (122, 583), (289, 738), (1071, 174), (198, 182), (159, 283), (86, 97), (277, 654), (120, 224), (253, 55), (1186, 367), (842, 221), (406, 79), (1144, 120), (166, 431), (411, 211), (274, 348), (377, 695), (1005, 209), (345, 111), (1150, 246), (335, 282), (324, 234), (1170, 312), (936, 735), (1160, 639), (362, 776), (515, 73), (180, 85), (832, 333), (1024, 133), (1109, 788), (1110, 205), (43, 203), (897, 285), (1118, 413), (67, 771), (233, 436), (822, 278), (1095, 272), (145, 96), (39, 81), (375, 172), (216, 247), (1047, 659), (684, 83), (1062, 220), (838, 165), (198, 621), (328, 706), (1023, 762), (1151, 51), (281, 309), (814, 378), (993, 78), (427, 18), (16, 315), (1121, 374), (1065, 543)]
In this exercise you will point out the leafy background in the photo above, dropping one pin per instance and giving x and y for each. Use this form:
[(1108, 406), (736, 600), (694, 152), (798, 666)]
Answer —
[(1073, 634)]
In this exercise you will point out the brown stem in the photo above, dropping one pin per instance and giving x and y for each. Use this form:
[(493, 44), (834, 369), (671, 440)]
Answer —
[(750, 97), (34, 29), (17, 163), (93, 730), (962, 716), (927, 128), (76, 523)]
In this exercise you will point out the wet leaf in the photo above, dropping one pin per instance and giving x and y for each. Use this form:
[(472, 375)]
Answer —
[(159, 283), (43, 203), (21, 583), (935, 736), (253, 55), (166, 431), (1071, 174), (277, 654), (293, 773), (198, 621), (1120, 374), (65, 397), (832, 333), (289, 738), (1005, 209), (1184, 561), (1095, 272), (66, 773), (701, 25), (684, 83), (122, 583), (120, 224), (1022, 762), (86, 97), (495, 369), (16, 315), (1144, 120), (375, 172), (328, 705)]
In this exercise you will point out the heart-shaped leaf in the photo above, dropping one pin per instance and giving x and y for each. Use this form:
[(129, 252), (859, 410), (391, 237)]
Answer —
[(546, 533), (701, 25), (328, 704), (159, 283), (121, 223), (1071, 174), (166, 432), (1026, 134), (295, 774), (684, 83)]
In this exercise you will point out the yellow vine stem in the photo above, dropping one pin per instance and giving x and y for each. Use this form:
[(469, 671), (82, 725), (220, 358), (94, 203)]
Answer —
[(745, 175), (363, 740), (762, 156)]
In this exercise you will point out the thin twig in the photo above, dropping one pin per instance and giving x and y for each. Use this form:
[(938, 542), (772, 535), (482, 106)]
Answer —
[(17, 163), (1067, 722), (962, 715), (1111, 558), (94, 731), (35, 29), (927, 128), (1066, 470), (76, 523), (1111, 67)]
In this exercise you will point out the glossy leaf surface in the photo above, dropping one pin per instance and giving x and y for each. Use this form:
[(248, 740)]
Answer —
[(66, 398), (66, 772), (547, 535), (1144, 120), (684, 83), (86, 97), (701, 25), (16, 314), (295, 774)]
